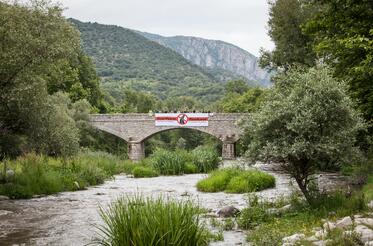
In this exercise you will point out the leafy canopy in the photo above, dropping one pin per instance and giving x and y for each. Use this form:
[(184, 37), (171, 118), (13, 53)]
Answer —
[(307, 123)]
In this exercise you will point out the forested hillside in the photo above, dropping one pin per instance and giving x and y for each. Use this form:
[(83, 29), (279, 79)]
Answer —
[(135, 62)]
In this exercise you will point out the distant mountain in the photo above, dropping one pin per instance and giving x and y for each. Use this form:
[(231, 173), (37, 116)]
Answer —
[(126, 59), (224, 59)]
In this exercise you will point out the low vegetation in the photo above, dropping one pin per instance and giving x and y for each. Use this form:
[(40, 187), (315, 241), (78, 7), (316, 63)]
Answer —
[(147, 221), (166, 162), (38, 174), (268, 228), (234, 180)]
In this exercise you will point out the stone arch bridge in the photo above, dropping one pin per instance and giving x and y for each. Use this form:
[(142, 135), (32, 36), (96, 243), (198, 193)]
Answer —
[(136, 128)]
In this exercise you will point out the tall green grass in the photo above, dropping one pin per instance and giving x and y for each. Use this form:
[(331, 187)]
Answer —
[(38, 174), (234, 180), (144, 221), (200, 160)]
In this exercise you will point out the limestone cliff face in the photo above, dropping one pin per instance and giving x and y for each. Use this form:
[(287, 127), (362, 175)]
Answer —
[(215, 54)]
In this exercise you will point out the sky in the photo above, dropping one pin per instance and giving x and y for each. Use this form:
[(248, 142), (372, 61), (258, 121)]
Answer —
[(240, 22)]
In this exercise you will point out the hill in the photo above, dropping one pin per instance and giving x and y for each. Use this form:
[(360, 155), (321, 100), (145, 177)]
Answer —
[(126, 58), (221, 59)]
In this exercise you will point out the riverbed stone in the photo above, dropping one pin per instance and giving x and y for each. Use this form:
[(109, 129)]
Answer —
[(228, 211), (365, 233), (329, 226), (3, 198), (364, 221), (344, 222), (293, 238), (321, 234), (312, 239)]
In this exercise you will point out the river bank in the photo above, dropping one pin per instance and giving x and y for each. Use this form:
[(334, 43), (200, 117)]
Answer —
[(70, 218)]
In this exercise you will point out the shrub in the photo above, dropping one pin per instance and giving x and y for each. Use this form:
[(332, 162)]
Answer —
[(169, 162), (217, 180), (206, 159), (38, 174), (144, 172), (249, 181), (146, 221), (190, 168), (234, 180)]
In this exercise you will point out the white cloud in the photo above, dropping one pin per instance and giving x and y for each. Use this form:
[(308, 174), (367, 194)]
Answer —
[(241, 22)]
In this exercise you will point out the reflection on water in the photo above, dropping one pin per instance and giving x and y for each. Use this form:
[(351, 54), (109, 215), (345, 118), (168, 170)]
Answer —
[(70, 218)]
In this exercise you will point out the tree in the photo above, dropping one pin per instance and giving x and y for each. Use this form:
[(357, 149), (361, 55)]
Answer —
[(292, 46), (343, 37), (307, 123), (236, 86), (34, 36), (250, 101)]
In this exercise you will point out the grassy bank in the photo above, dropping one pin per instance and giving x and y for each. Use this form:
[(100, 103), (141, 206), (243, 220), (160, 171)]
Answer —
[(234, 180), (165, 162), (145, 221), (269, 228), (38, 174)]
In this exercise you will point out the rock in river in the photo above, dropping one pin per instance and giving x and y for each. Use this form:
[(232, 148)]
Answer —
[(229, 211)]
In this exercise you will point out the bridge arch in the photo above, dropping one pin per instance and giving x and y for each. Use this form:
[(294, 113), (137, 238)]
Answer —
[(136, 128)]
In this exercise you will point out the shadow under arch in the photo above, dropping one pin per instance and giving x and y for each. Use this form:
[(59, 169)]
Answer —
[(169, 138)]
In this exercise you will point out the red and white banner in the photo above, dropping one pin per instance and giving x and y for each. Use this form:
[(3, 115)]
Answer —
[(182, 119)]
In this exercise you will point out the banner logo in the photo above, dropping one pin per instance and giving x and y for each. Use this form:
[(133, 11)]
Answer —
[(182, 119)]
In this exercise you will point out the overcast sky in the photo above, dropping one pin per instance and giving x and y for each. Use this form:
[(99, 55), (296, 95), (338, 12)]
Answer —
[(240, 22)]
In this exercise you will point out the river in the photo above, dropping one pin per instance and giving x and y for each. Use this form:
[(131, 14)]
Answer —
[(70, 218)]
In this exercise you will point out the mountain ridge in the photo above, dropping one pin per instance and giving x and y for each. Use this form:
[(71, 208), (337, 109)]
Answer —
[(214, 54)]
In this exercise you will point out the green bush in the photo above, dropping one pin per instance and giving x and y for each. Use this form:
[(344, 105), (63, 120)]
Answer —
[(144, 172), (206, 159), (37, 174), (190, 168), (146, 221), (168, 162), (233, 180), (217, 180)]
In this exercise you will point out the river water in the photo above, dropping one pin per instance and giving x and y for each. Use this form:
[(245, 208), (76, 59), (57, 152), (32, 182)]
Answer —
[(70, 218)]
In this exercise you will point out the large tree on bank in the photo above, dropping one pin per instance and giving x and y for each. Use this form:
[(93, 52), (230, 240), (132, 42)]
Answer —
[(307, 123)]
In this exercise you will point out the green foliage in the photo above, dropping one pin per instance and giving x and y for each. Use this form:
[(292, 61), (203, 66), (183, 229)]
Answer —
[(169, 162), (190, 168), (342, 36), (127, 58), (292, 46), (40, 55), (307, 123), (147, 221), (336, 237), (205, 159), (233, 180), (144, 172), (37, 174), (269, 229), (236, 87), (249, 101)]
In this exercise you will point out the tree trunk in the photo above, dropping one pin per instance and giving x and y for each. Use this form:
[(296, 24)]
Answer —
[(302, 183)]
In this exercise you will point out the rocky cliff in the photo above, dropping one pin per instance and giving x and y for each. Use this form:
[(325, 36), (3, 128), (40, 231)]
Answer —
[(215, 54)]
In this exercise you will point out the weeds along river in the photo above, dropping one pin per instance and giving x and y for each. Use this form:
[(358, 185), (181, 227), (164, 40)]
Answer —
[(71, 218)]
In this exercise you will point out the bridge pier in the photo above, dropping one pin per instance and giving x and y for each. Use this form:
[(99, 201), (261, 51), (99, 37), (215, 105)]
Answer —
[(227, 152), (136, 151)]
